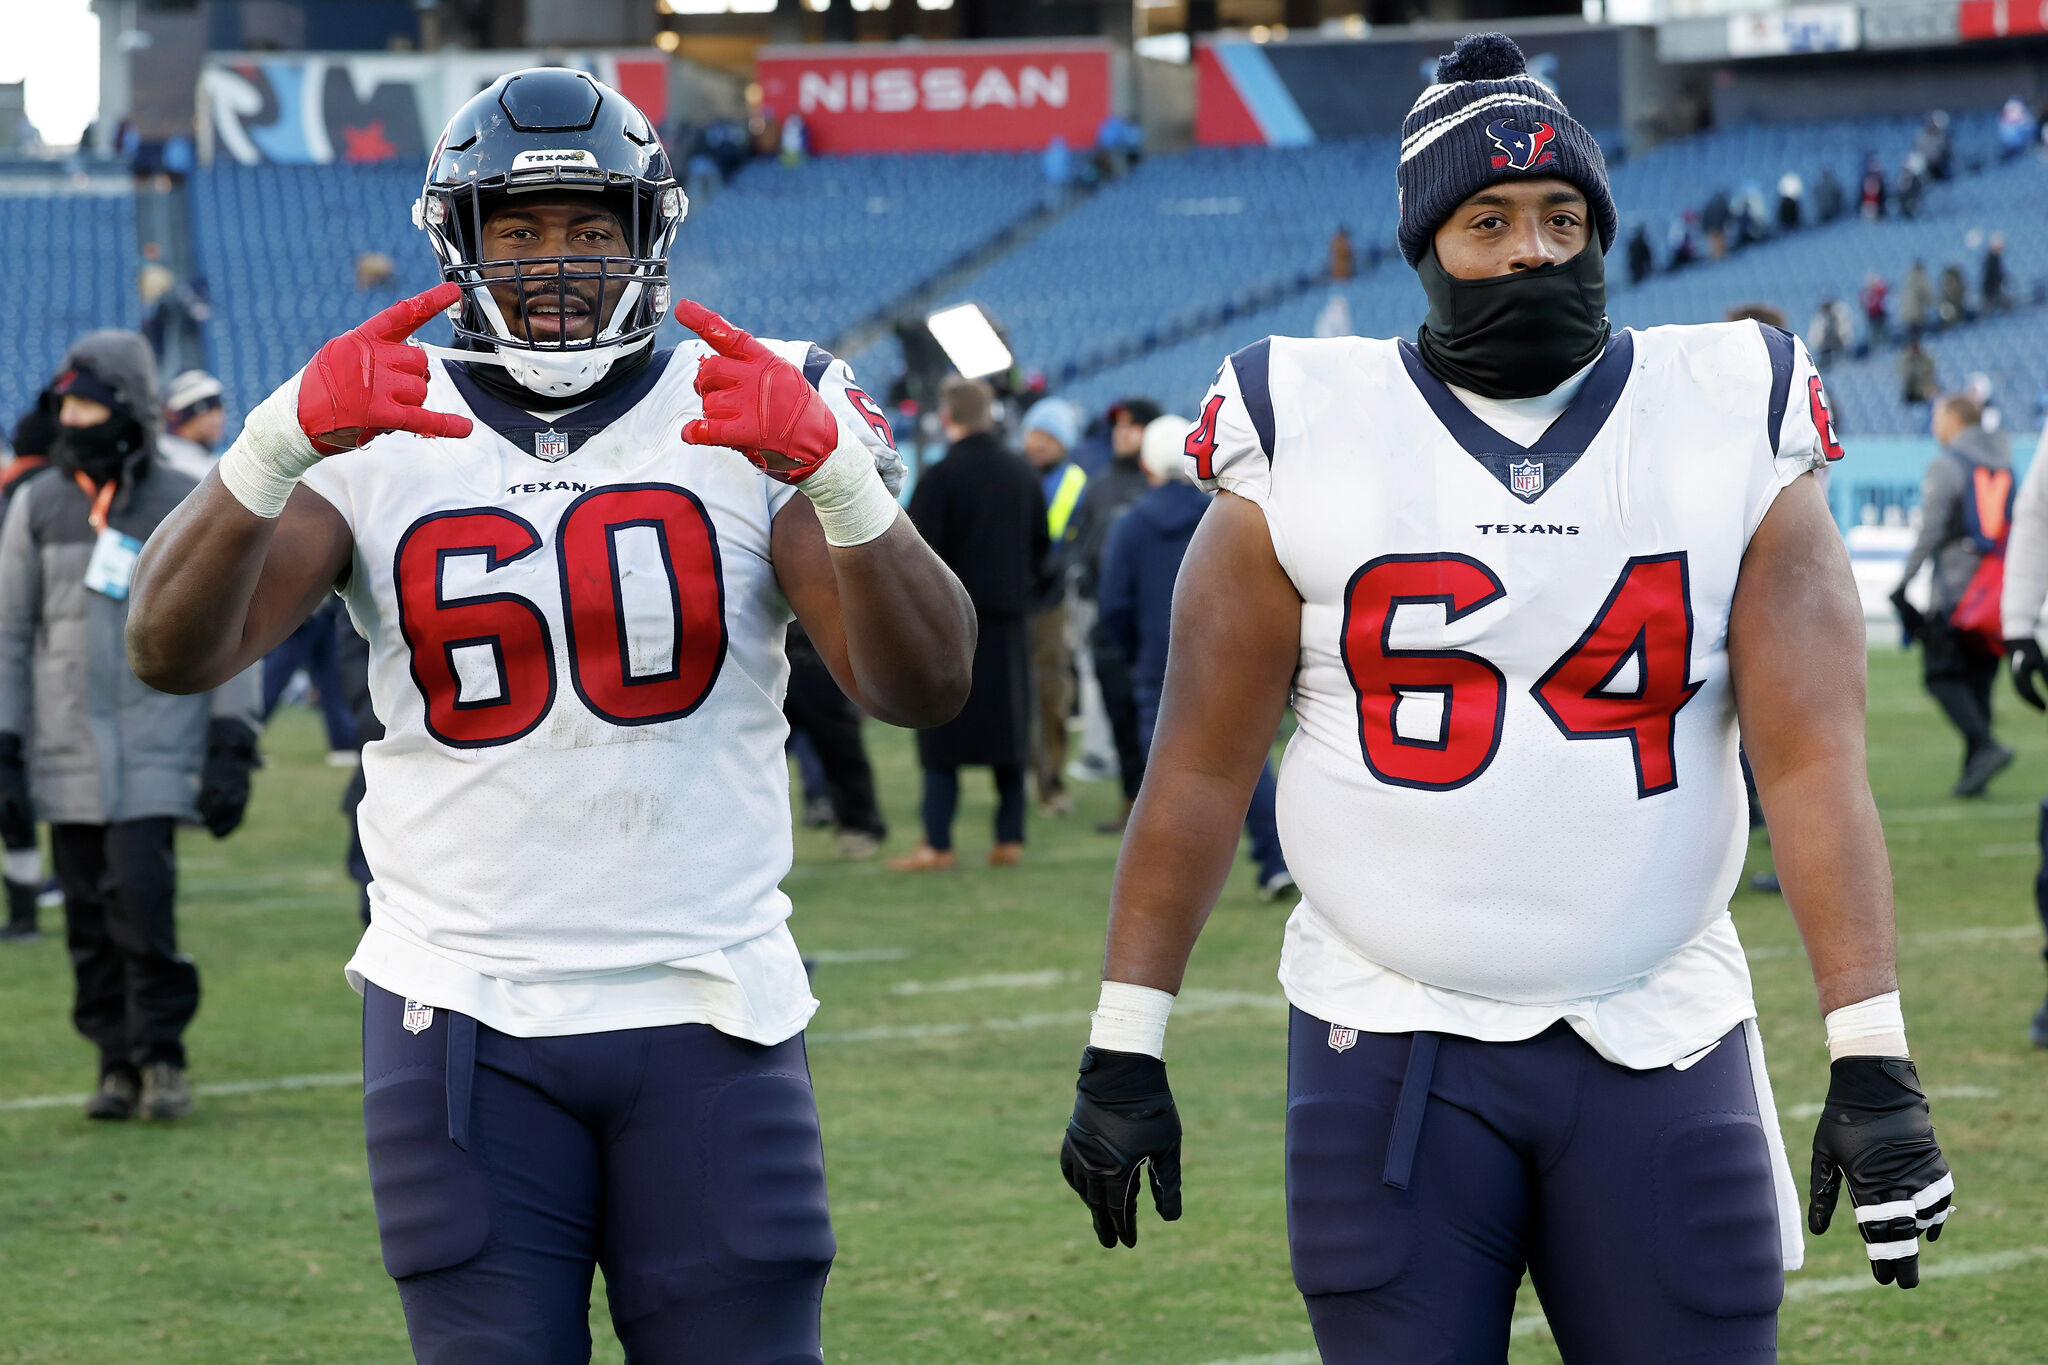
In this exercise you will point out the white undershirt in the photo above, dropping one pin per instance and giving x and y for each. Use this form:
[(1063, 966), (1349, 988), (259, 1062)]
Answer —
[(756, 990), (1522, 420)]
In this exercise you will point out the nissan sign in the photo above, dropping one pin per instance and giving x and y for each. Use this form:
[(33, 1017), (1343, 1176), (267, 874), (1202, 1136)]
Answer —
[(953, 97)]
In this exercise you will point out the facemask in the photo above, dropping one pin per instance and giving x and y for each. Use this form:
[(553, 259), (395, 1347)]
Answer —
[(97, 452), (1517, 335)]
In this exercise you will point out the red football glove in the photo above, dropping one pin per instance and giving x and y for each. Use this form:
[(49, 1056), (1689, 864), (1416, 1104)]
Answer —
[(367, 381), (756, 402)]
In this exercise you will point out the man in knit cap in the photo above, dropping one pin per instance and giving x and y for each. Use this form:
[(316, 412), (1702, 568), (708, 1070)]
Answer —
[(1521, 576)]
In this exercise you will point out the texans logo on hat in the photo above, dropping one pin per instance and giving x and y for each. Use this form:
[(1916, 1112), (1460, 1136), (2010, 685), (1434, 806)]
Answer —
[(1522, 148)]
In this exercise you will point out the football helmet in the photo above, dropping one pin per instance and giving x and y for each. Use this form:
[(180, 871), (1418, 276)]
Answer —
[(552, 129)]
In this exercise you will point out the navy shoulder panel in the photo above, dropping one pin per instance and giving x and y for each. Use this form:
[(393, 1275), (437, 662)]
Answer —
[(816, 361), (1778, 342), (1253, 365)]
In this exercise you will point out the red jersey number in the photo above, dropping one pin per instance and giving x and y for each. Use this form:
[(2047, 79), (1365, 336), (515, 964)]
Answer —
[(485, 662), (1627, 676)]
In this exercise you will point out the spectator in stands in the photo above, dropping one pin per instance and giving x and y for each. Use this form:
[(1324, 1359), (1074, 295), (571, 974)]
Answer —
[(1912, 184), (1875, 314), (374, 270), (1827, 196), (1916, 300), (1052, 428), (1109, 494), (817, 709), (1791, 199), (1871, 199), (23, 865), (1917, 380), (1714, 218), (1138, 571), (195, 421), (2015, 128), (1641, 260), (111, 763), (1056, 164), (1832, 331), (1973, 469), (1935, 146), (1955, 296), (1342, 265), (980, 510), (1991, 293), (1684, 245), (1752, 221)]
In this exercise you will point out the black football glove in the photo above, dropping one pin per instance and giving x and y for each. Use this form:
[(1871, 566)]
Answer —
[(1910, 616), (1876, 1131), (1123, 1118), (224, 780), (17, 815), (2027, 670)]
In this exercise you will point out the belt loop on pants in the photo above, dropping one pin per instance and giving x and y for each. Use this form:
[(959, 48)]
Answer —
[(461, 1070), (1408, 1110)]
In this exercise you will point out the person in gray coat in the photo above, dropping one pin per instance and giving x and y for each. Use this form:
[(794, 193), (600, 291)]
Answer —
[(112, 764), (1973, 470)]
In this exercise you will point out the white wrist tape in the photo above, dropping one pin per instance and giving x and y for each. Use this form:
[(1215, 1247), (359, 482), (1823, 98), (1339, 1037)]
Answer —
[(852, 503), (1130, 1018), (271, 455), (1869, 1028)]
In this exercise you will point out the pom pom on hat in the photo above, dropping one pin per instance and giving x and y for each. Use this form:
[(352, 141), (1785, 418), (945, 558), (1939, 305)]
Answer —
[(1481, 57)]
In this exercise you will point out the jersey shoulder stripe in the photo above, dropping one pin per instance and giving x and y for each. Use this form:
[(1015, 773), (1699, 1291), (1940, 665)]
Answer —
[(1253, 367), (1778, 342)]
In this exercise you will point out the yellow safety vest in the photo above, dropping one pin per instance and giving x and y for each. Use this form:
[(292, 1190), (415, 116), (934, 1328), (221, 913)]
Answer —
[(1064, 499)]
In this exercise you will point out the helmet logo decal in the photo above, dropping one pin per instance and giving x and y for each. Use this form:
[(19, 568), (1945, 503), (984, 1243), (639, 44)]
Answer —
[(1520, 146), (563, 156)]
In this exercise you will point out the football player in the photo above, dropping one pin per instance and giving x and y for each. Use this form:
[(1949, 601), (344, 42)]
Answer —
[(1523, 576), (574, 557)]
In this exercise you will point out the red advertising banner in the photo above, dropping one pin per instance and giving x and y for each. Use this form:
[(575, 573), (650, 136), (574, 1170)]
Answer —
[(2001, 18), (941, 97)]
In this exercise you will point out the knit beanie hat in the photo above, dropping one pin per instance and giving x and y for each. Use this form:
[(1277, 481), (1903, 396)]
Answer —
[(1486, 120)]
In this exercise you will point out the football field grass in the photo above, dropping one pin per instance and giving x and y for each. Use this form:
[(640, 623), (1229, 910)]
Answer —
[(954, 1009)]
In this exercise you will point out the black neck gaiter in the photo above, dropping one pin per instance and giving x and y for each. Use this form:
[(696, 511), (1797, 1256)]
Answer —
[(98, 452), (1517, 335)]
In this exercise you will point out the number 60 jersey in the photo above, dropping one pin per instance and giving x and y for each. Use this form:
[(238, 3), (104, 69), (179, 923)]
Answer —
[(576, 649), (1514, 795)]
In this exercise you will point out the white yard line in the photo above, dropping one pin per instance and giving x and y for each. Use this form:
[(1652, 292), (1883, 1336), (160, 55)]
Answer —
[(1194, 1001), (1915, 815), (1933, 1266), (993, 981), (319, 1082), (828, 957), (1937, 1092)]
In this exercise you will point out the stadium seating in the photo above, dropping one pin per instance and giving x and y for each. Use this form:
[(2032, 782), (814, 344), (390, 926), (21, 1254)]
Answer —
[(1145, 283), (803, 251), (70, 263)]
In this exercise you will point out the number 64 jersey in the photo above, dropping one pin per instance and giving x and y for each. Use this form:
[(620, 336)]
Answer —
[(578, 817), (1514, 794)]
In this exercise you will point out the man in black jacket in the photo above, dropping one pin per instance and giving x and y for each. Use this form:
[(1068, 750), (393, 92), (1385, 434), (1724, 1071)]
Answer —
[(981, 510), (24, 858), (1109, 495)]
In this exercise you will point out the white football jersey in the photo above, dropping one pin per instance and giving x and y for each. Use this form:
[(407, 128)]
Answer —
[(576, 641), (1514, 795)]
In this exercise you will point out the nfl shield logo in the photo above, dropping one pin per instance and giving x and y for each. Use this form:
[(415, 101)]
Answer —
[(1342, 1039), (418, 1018), (550, 445), (1525, 477)]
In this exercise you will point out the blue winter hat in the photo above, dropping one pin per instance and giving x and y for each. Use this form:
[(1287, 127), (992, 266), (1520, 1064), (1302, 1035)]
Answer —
[(1485, 120), (1057, 418)]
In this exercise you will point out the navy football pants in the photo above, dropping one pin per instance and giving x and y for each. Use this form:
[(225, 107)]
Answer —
[(685, 1162), (1641, 1202)]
